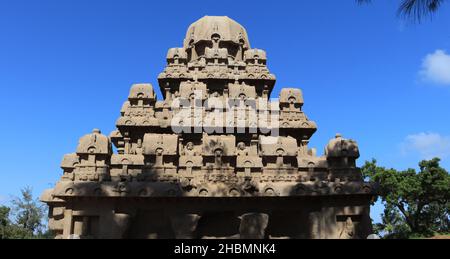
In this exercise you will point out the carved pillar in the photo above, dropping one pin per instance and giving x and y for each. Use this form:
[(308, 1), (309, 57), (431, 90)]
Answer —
[(68, 223), (253, 225), (315, 224), (120, 224), (185, 225)]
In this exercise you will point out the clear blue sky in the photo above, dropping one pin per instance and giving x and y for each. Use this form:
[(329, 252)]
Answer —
[(67, 66)]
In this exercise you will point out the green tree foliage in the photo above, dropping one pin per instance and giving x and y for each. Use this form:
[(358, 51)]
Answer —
[(29, 212), (4, 220), (415, 9), (9, 230), (27, 216), (416, 203)]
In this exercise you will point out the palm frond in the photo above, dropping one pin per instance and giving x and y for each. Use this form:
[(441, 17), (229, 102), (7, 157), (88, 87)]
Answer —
[(415, 10)]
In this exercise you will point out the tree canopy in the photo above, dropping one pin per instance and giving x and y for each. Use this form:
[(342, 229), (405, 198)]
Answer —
[(416, 203), (25, 219)]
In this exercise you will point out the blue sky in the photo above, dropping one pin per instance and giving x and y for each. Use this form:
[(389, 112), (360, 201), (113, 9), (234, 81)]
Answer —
[(66, 67)]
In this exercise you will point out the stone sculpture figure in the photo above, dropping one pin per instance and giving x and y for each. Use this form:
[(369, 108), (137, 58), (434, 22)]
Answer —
[(348, 230), (213, 157)]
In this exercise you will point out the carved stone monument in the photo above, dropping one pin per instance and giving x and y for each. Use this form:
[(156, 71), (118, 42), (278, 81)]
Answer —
[(215, 158)]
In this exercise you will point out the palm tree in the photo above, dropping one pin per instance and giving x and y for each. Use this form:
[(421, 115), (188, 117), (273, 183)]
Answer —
[(415, 9)]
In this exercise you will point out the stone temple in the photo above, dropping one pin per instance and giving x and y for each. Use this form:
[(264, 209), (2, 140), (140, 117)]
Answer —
[(214, 159)]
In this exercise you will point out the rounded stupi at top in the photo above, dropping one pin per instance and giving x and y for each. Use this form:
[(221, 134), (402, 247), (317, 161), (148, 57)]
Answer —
[(210, 28)]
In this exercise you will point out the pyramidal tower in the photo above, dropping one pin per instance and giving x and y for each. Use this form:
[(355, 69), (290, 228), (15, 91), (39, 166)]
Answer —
[(213, 158)]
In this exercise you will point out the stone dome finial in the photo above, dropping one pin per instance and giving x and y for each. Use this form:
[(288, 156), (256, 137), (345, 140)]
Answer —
[(341, 147), (218, 26), (141, 91), (95, 142)]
